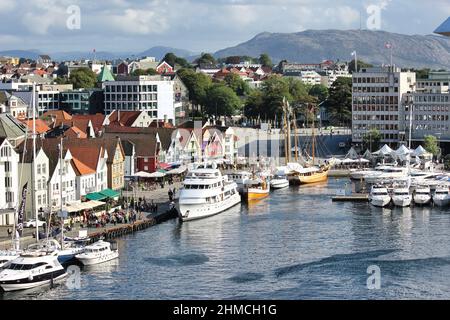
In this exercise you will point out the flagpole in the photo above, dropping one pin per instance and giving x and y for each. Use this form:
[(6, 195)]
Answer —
[(33, 176)]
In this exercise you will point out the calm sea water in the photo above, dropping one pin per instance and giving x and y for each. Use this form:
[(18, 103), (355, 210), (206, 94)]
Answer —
[(297, 244)]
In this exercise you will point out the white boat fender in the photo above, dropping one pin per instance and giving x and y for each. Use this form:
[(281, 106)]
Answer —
[(30, 277)]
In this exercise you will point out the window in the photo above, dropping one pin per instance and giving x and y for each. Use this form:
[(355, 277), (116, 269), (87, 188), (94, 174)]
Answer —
[(8, 182), (44, 168), (7, 166)]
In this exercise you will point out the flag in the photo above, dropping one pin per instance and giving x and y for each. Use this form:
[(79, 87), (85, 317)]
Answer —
[(388, 45), (353, 53), (21, 212)]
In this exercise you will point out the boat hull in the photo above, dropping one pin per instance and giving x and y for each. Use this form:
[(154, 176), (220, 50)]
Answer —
[(381, 202), (189, 212), (401, 202), (87, 261), (256, 194), (38, 281), (313, 178), (441, 202), (279, 184), (422, 200)]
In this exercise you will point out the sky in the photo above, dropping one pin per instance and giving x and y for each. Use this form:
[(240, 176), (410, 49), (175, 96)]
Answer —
[(196, 25)]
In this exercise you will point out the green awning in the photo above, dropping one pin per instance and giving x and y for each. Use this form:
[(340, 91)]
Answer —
[(96, 196), (109, 193)]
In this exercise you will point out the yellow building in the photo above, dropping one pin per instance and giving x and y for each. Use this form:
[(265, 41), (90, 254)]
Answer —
[(9, 60)]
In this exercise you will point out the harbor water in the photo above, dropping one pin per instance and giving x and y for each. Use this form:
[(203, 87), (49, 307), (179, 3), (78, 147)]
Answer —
[(296, 244)]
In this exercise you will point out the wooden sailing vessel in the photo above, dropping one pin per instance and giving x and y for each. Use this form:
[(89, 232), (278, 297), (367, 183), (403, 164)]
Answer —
[(311, 173)]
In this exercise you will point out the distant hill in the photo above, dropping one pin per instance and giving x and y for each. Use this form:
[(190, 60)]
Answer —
[(313, 46), (27, 54), (159, 52)]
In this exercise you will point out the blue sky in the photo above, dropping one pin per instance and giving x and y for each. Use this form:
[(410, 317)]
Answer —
[(197, 25)]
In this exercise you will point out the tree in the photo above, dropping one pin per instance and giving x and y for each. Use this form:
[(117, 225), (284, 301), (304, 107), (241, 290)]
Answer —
[(319, 91), (340, 101), (431, 145), (221, 101), (206, 58), (361, 64), (172, 59), (237, 84), (274, 90), (83, 78), (61, 80), (253, 104), (143, 72), (197, 84), (371, 140), (265, 60)]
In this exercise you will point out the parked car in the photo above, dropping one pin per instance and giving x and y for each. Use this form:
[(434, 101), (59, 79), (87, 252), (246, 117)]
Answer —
[(32, 223)]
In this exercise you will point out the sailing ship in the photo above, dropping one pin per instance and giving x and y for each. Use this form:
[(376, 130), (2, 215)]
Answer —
[(310, 173)]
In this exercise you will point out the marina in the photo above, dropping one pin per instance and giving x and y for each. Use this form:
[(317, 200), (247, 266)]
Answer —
[(305, 247)]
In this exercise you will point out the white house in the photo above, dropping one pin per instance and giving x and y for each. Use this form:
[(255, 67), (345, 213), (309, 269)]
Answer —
[(67, 174), (36, 178), (9, 183)]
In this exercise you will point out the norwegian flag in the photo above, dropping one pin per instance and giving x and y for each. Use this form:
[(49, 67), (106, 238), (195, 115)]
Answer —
[(388, 45)]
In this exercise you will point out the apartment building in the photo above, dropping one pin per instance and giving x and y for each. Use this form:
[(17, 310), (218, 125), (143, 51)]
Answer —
[(378, 102)]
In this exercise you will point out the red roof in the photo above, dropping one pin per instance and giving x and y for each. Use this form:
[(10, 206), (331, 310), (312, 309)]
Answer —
[(41, 126), (124, 118), (97, 120), (80, 168)]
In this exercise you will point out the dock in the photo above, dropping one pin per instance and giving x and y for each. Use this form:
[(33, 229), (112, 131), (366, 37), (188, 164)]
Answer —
[(357, 197)]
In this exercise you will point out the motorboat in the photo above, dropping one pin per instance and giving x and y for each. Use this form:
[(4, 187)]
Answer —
[(379, 196), (240, 178), (206, 192), (30, 270), (279, 182), (422, 195), (65, 254), (401, 196), (256, 189), (441, 196), (97, 252)]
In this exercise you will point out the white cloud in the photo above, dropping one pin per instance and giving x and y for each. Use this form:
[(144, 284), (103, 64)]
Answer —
[(7, 5)]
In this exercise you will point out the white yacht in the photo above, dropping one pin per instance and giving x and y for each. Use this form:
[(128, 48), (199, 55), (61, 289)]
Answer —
[(241, 178), (30, 270), (441, 196), (65, 254), (385, 173), (379, 196), (206, 192), (96, 253), (422, 195), (402, 197), (279, 182)]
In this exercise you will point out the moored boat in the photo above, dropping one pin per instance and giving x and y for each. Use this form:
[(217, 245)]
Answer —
[(422, 195), (441, 196), (97, 252), (379, 196), (256, 189)]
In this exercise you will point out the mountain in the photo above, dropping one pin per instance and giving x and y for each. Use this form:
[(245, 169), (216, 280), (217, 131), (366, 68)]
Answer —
[(313, 46), (80, 55), (27, 54), (159, 52)]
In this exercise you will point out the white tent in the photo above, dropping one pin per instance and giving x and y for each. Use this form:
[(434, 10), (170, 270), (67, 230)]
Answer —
[(367, 155), (402, 150), (157, 174), (352, 154), (420, 151), (142, 174), (348, 161), (385, 150), (178, 170)]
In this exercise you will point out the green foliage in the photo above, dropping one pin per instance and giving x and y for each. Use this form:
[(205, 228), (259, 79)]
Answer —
[(83, 78), (340, 101), (371, 140), (172, 59), (422, 73), (237, 59), (265, 60), (319, 91), (237, 84), (61, 80), (221, 101), (431, 145), (197, 84), (206, 58), (142, 72), (361, 64), (268, 101)]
